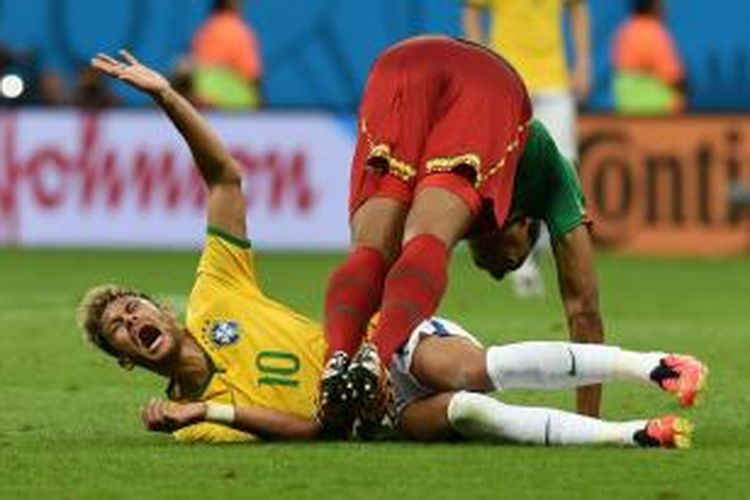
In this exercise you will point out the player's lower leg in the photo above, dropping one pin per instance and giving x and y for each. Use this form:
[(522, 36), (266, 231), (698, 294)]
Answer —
[(474, 415), (413, 288), (412, 291), (557, 365), (353, 296)]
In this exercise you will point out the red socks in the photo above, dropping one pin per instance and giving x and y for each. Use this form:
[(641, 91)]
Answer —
[(353, 296), (413, 289)]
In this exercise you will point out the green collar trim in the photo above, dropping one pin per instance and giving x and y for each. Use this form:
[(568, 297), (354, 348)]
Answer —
[(229, 238)]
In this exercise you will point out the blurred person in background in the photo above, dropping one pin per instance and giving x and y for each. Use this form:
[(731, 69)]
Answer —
[(227, 58), (530, 35), (649, 76), (91, 91), (181, 78), (51, 89)]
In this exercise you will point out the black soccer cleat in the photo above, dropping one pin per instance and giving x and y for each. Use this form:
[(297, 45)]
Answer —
[(373, 395), (336, 411)]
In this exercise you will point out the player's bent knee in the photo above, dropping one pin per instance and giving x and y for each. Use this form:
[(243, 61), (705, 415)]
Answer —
[(466, 413), (379, 224), (427, 419)]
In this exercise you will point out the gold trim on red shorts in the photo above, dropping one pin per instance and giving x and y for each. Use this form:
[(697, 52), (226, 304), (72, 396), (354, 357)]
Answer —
[(515, 143), (448, 163), (399, 168)]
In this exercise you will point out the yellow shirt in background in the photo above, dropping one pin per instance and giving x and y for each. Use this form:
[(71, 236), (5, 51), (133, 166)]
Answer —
[(264, 354), (529, 34)]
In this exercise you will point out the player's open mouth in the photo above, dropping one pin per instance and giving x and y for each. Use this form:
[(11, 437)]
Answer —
[(150, 337)]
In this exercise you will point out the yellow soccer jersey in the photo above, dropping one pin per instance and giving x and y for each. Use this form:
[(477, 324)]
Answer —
[(529, 34), (263, 353)]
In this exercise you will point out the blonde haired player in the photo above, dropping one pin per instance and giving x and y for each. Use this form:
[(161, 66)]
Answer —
[(243, 353), (244, 366)]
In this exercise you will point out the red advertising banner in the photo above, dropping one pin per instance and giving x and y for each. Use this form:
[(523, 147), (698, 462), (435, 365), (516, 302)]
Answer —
[(662, 185)]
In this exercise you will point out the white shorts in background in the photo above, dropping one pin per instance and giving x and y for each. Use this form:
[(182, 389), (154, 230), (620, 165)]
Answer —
[(557, 111), (406, 388)]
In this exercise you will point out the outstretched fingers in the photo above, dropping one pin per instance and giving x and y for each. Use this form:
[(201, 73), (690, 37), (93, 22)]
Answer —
[(107, 64), (130, 58), (107, 58)]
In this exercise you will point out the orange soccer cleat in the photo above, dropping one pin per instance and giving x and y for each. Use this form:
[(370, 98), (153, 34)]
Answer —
[(683, 375), (665, 432)]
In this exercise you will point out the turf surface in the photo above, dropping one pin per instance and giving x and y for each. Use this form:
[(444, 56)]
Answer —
[(69, 426)]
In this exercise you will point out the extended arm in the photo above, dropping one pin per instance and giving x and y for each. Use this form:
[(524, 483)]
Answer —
[(579, 290), (581, 28), (265, 423), (226, 203)]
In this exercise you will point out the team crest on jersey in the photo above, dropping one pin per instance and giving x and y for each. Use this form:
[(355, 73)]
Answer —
[(224, 333)]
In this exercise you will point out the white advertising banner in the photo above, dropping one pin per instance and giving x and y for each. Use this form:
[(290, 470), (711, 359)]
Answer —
[(125, 178)]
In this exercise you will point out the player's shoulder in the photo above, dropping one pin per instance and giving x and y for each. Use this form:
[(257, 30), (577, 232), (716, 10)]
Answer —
[(228, 259)]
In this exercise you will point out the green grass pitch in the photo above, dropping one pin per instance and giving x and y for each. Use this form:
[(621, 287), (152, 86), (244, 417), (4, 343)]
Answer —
[(68, 416)]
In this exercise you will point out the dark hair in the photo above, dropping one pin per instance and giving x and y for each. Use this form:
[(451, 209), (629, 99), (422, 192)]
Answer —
[(645, 6), (221, 5)]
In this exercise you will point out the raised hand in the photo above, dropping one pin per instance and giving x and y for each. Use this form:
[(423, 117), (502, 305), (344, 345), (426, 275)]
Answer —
[(168, 416), (131, 71)]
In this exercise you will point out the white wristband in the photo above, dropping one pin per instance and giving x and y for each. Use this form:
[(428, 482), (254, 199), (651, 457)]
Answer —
[(220, 413)]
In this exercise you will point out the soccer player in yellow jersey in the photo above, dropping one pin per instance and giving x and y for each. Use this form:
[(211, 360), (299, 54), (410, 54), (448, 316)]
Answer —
[(255, 361), (245, 367), (529, 33)]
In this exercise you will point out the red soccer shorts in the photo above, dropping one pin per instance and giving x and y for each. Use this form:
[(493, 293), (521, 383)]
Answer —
[(436, 105)]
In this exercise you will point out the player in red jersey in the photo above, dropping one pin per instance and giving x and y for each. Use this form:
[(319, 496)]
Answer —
[(444, 125)]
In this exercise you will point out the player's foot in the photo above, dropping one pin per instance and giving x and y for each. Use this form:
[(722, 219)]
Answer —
[(665, 432), (374, 399), (336, 404), (527, 280), (682, 375)]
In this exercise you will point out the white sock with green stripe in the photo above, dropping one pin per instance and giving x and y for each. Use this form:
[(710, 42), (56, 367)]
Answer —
[(559, 365), (479, 416)]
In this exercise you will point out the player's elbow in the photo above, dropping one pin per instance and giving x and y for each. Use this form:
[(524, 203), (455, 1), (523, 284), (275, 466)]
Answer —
[(226, 171), (308, 431), (231, 173), (298, 430)]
